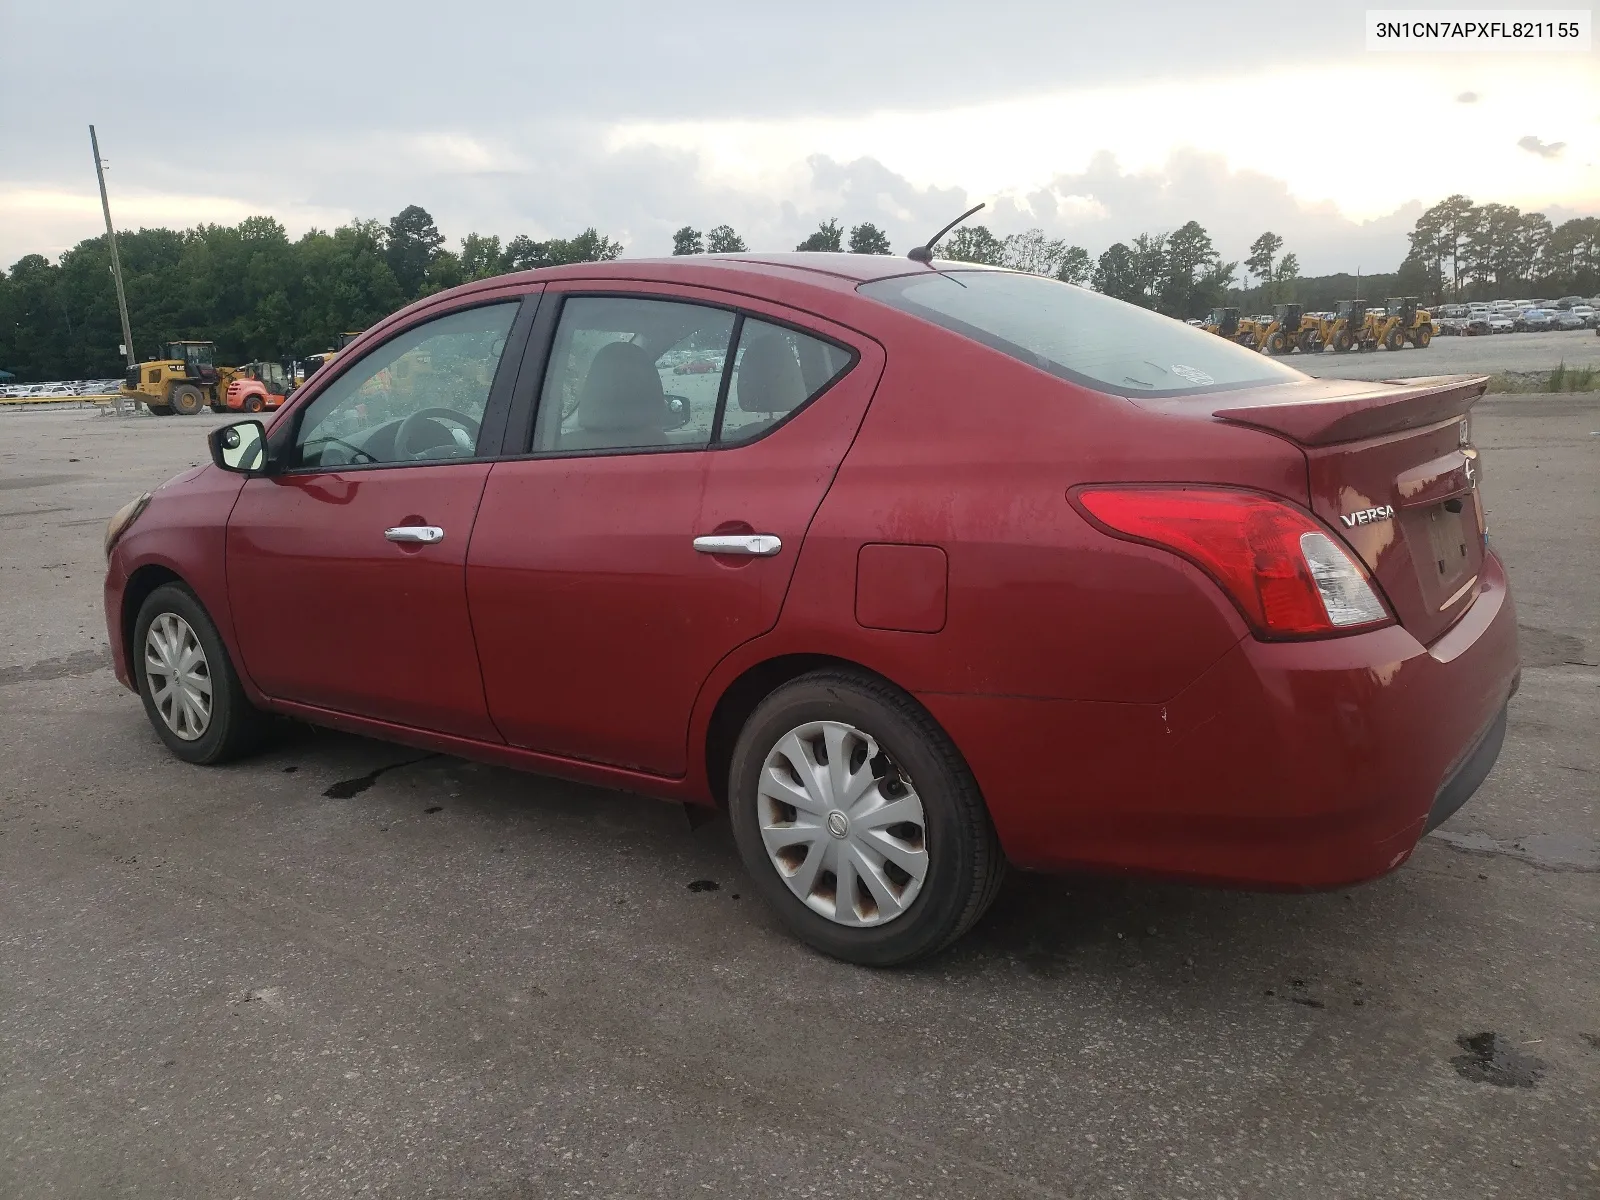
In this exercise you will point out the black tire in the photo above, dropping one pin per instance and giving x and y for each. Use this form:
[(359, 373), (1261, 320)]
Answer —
[(186, 399), (1394, 340), (965, 864), (1423, 337), (217, 408), (236, 726), (1342, 342), (1277, 344), (253, 402), (159, 410), (1310, 343)]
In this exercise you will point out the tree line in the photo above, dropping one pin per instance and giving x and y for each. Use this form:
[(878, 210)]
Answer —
[(248, 287), (260, 295), (1461, 251)]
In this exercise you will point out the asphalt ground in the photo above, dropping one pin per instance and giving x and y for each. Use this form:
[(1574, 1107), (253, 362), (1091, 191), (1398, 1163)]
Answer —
[(1484, 354), (345, 968)]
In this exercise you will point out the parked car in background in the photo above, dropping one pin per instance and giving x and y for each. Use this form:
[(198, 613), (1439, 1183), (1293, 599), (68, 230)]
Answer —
[(1500, 322), (1587, 312), (952, 566), (1569, 318), (1476, 323), (1567, 302), (1536, 319)]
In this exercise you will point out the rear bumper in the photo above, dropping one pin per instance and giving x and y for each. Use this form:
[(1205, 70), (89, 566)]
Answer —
[(1287, 765)]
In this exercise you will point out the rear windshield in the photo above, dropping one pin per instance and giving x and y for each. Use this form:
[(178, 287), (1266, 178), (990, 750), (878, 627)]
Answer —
[(1079, 335)]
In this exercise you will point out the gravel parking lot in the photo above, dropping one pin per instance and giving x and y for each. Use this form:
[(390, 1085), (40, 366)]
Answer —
[(345, 967), (1460, 356)]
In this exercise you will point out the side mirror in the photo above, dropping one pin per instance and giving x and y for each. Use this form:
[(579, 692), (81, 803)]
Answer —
[(677, 412), (240, 447)]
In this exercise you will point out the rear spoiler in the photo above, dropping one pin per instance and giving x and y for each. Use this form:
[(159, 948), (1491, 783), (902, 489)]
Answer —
[(1344, 411)]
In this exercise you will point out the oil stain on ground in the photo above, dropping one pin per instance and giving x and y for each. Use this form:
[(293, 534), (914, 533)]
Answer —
[(83, 662), (1542, 648), (1490, 1058), (346, 788)]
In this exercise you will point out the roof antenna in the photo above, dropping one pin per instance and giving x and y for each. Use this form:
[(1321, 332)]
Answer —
[(924, 253)]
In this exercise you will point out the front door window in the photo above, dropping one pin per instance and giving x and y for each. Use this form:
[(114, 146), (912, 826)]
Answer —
[(419, 397)]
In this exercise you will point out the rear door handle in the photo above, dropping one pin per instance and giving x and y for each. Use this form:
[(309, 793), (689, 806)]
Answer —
[(758, 545), (427, 535)]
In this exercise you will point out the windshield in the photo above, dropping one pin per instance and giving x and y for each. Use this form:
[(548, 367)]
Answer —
[(1077, 334)]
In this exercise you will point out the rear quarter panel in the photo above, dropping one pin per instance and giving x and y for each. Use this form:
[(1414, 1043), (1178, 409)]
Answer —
[(972, 451)]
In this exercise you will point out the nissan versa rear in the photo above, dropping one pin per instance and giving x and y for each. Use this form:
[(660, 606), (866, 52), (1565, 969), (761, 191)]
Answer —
[(916, 570)]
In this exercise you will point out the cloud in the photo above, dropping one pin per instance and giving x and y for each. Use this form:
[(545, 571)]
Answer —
[(1467, 98), (1543, 149)]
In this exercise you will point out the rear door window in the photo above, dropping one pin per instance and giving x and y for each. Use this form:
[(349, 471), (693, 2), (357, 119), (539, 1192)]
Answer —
[(1079, 335), (628, 373), (775, 371), (635, 373)]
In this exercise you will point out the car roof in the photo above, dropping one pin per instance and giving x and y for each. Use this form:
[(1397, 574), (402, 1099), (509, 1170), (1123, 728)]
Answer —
[(836, 272)]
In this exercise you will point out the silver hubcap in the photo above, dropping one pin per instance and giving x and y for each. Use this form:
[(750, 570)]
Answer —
[(178, 676), (842, 824)]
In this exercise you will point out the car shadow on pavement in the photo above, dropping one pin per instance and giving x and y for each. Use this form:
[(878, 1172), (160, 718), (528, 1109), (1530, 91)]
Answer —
[(1172, 936)]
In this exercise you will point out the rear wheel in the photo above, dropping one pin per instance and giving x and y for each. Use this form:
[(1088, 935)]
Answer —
[(252, 402), (1310, 343), (186, 399), (1424, 336), (859, 822), (190, 690)]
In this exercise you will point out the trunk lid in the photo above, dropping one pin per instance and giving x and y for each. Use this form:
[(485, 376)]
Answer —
[(1392, 468)]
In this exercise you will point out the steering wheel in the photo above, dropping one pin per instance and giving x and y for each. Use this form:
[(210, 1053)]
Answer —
[(410, 425)]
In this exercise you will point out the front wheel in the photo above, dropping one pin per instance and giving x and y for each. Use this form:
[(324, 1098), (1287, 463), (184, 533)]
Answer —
[(186, 399), (190, 690), (859, 822), (1394, 340)]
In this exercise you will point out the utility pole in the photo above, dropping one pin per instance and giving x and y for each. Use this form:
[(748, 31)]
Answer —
[(116, 262)]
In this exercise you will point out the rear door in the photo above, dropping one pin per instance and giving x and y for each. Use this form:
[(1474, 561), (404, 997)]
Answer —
[(666, 417)]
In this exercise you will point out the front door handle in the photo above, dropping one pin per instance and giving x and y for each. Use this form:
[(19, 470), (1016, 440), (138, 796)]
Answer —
[(758, 545), (427, 535)]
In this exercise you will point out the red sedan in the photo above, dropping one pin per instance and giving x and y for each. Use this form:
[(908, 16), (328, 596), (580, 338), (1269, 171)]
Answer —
[(949, 567)]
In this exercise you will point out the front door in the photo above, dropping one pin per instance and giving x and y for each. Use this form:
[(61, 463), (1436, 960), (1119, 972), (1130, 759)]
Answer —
[(346, 568), (599, 603)]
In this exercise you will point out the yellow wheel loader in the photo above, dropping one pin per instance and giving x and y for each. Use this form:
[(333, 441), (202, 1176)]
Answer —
[(183, 380), (1287, 330), (1227, 323), (1405, 324)]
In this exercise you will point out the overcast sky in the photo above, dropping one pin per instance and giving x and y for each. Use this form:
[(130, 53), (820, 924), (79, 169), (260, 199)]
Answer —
[(1094, 121)]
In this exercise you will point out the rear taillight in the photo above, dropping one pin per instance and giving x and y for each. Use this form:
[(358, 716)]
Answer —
[(1287, 573)]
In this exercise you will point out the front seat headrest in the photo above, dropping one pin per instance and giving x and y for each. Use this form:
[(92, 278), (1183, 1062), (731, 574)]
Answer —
[(622, 392)]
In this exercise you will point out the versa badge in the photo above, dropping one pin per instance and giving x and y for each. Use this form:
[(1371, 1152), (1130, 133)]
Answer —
[(1367, 515)]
